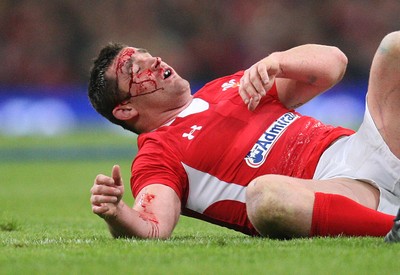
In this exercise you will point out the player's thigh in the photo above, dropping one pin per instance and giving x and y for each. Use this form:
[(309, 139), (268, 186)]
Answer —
[(301, 191), (357, 190)]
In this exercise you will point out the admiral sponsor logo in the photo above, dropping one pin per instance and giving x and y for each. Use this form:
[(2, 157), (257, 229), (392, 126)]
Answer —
[(257, 155)]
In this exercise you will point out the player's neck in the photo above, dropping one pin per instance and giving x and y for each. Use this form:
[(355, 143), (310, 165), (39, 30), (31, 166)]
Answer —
[(163, 118)]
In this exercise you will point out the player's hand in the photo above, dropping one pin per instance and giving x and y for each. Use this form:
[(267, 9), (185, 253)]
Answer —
[(106, 194), (257, 80)]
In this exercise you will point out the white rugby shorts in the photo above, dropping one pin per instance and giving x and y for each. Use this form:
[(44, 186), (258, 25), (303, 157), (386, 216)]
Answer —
[(364, 156)]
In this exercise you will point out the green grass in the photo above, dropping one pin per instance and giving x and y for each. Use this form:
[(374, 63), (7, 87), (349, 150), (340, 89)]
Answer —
[(46, 227)]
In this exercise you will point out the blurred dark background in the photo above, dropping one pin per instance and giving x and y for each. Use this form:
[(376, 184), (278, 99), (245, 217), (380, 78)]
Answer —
[(46, 48)]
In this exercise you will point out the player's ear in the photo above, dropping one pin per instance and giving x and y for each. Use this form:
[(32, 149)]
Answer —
[(124, 112)]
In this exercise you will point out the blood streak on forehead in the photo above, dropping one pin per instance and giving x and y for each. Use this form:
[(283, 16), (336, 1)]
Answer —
[(122, 58)]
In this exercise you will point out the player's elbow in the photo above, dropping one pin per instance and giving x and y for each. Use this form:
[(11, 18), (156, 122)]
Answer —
[(163, 234), (340, 64), (152, 234)]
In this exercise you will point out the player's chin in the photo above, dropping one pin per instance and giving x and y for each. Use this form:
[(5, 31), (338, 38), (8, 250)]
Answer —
[(182, 86)]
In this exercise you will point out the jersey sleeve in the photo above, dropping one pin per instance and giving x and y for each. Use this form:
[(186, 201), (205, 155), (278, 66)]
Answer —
[(155, 165)]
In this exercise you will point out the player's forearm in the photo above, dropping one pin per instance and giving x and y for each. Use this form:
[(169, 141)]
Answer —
[(307, 71), (313, 64), (129, 223)]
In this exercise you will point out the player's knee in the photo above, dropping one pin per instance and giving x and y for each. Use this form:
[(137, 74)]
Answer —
[(265, 204), (261, 186), (391, 43)]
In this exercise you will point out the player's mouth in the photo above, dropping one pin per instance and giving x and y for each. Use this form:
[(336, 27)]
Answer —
[(167, 73)]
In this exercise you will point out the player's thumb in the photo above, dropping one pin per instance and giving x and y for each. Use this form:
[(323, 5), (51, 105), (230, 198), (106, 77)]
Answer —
[(116, 175)]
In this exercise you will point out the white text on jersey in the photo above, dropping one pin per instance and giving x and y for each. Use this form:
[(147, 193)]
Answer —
[(257, 155)]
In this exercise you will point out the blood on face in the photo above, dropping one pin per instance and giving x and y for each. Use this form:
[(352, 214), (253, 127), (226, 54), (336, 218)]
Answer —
[(139, 83)]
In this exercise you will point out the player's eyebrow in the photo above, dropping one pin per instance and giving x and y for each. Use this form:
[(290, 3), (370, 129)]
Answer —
[(132, 59), (141, 50), (128, 63)]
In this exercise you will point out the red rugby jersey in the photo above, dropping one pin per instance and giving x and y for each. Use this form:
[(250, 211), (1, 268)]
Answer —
[(214, 148)]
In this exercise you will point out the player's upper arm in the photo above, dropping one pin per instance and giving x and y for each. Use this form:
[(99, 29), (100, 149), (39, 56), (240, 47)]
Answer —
[(159, 206)]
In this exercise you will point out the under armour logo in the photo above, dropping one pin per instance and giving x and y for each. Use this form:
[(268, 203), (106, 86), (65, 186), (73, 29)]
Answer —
[(189, 135)]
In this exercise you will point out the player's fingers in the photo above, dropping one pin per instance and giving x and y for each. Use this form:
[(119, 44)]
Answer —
[(242, 88), (253, 103), (103, 180), (263, 73), (100, 199), (247, 87), (116, 175), (105, 190), (100, 209), (270, 83), (257, 77), (255, 86)]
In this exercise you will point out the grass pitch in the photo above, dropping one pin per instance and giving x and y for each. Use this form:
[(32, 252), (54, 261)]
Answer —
[(46, 224)]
